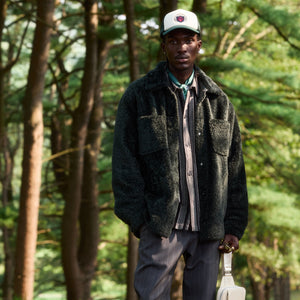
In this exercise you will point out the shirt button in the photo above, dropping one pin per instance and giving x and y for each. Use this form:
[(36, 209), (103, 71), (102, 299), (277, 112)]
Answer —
[(201, 164), (199, 133), (190, 173)]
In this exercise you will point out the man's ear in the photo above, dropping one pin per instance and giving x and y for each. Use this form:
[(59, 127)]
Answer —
[(163, 46), (199, 44)]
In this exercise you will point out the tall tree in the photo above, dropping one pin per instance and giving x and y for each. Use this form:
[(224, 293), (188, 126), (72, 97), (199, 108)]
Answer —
[(88, 218), (32, 153), (6, 167), (9, 145), (199, 6), (132, 251), (74, 274), (89, 210), (165, 6)]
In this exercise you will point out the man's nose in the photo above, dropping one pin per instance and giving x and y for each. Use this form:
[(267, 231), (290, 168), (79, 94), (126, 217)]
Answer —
[(182, 47)]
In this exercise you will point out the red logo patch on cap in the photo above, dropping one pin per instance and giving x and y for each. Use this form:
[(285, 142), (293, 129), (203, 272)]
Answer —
[(180, 19)]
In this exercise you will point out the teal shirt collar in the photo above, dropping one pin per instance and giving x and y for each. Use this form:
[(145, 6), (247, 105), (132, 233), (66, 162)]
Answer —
[(183, 86)]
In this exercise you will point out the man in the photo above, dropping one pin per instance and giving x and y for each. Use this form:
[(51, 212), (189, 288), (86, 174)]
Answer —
[(178, 170)]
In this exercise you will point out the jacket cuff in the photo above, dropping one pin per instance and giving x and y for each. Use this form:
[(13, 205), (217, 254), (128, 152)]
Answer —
[(136, 226)]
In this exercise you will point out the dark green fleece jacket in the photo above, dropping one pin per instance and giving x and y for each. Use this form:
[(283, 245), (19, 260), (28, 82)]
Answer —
[(145, 168)]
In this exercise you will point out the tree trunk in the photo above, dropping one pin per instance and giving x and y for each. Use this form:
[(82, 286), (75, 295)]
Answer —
[(259, 291), (6, 199), (89, 211), (281, 287), (8, 154), (6, 173), (7, 233), (132, 249), (132, 258), (132, 43), (70, 231), (32, 153), (59, 136), (7, 284), (176, 288), (261, 286), (166, 6), (199, 6)]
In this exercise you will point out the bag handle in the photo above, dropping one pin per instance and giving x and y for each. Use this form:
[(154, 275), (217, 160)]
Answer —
[(227, 263), (227, 278)]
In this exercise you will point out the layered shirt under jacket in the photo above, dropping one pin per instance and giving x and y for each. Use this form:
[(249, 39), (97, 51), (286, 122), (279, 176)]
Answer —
[(189, 209)]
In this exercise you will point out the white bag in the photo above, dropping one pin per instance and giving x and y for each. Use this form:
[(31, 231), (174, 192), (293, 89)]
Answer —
[(228, 290)]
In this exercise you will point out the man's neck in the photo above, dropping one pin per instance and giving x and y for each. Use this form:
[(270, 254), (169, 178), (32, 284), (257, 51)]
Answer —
[(182, 75)]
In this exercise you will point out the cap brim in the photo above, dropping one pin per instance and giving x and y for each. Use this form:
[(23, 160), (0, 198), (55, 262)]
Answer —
[(179, 26)]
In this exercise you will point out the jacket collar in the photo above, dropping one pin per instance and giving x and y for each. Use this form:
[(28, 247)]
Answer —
[(158, 78)]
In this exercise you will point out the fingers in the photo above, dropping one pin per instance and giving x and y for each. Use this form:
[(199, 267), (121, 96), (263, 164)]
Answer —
[(229, 244), (226, 247), (229, 248)]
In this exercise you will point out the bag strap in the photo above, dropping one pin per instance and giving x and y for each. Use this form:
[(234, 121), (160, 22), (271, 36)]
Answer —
[(227, 263), (227, 278)]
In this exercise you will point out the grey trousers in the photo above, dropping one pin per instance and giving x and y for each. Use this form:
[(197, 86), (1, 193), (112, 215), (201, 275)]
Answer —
[(158, 258)]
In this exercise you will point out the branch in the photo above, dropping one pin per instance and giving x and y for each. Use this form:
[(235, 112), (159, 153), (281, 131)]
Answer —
[(256, 38), (60, 92), (64, 152), (47, 242), (14, 60), (248, 95), (277, 29), (105, 192), (238, 36), (220, 46), (103, 241), (23, 16), (69, 42)]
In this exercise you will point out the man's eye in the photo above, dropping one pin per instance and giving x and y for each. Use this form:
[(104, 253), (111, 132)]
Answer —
[(172, 42)]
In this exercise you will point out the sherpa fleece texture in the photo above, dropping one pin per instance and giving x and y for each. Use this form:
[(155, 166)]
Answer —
[(145, 170)]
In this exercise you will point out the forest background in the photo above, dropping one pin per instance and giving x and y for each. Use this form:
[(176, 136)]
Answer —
[(64, 66)]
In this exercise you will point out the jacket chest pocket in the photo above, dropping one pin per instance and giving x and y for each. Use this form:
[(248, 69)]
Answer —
[(152, 133), (220, 135)]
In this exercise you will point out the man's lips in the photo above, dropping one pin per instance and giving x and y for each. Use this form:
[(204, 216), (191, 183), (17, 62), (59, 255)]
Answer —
[(181, 58)]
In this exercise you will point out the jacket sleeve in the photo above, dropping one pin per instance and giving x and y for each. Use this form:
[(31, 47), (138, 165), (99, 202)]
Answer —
[(127, 181), (236, 218)]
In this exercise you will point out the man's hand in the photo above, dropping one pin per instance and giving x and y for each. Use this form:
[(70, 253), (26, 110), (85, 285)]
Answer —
[(230, 243)]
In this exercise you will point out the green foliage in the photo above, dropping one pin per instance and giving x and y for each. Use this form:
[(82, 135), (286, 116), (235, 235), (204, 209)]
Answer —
[(49, 273), (112, 256), (275, 209), (8, 216), (283, 17)]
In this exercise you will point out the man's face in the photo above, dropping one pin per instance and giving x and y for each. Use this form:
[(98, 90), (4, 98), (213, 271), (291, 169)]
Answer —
[(181, 47)]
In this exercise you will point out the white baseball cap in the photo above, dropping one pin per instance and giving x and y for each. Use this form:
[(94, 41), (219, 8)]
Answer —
[(180, 18)]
